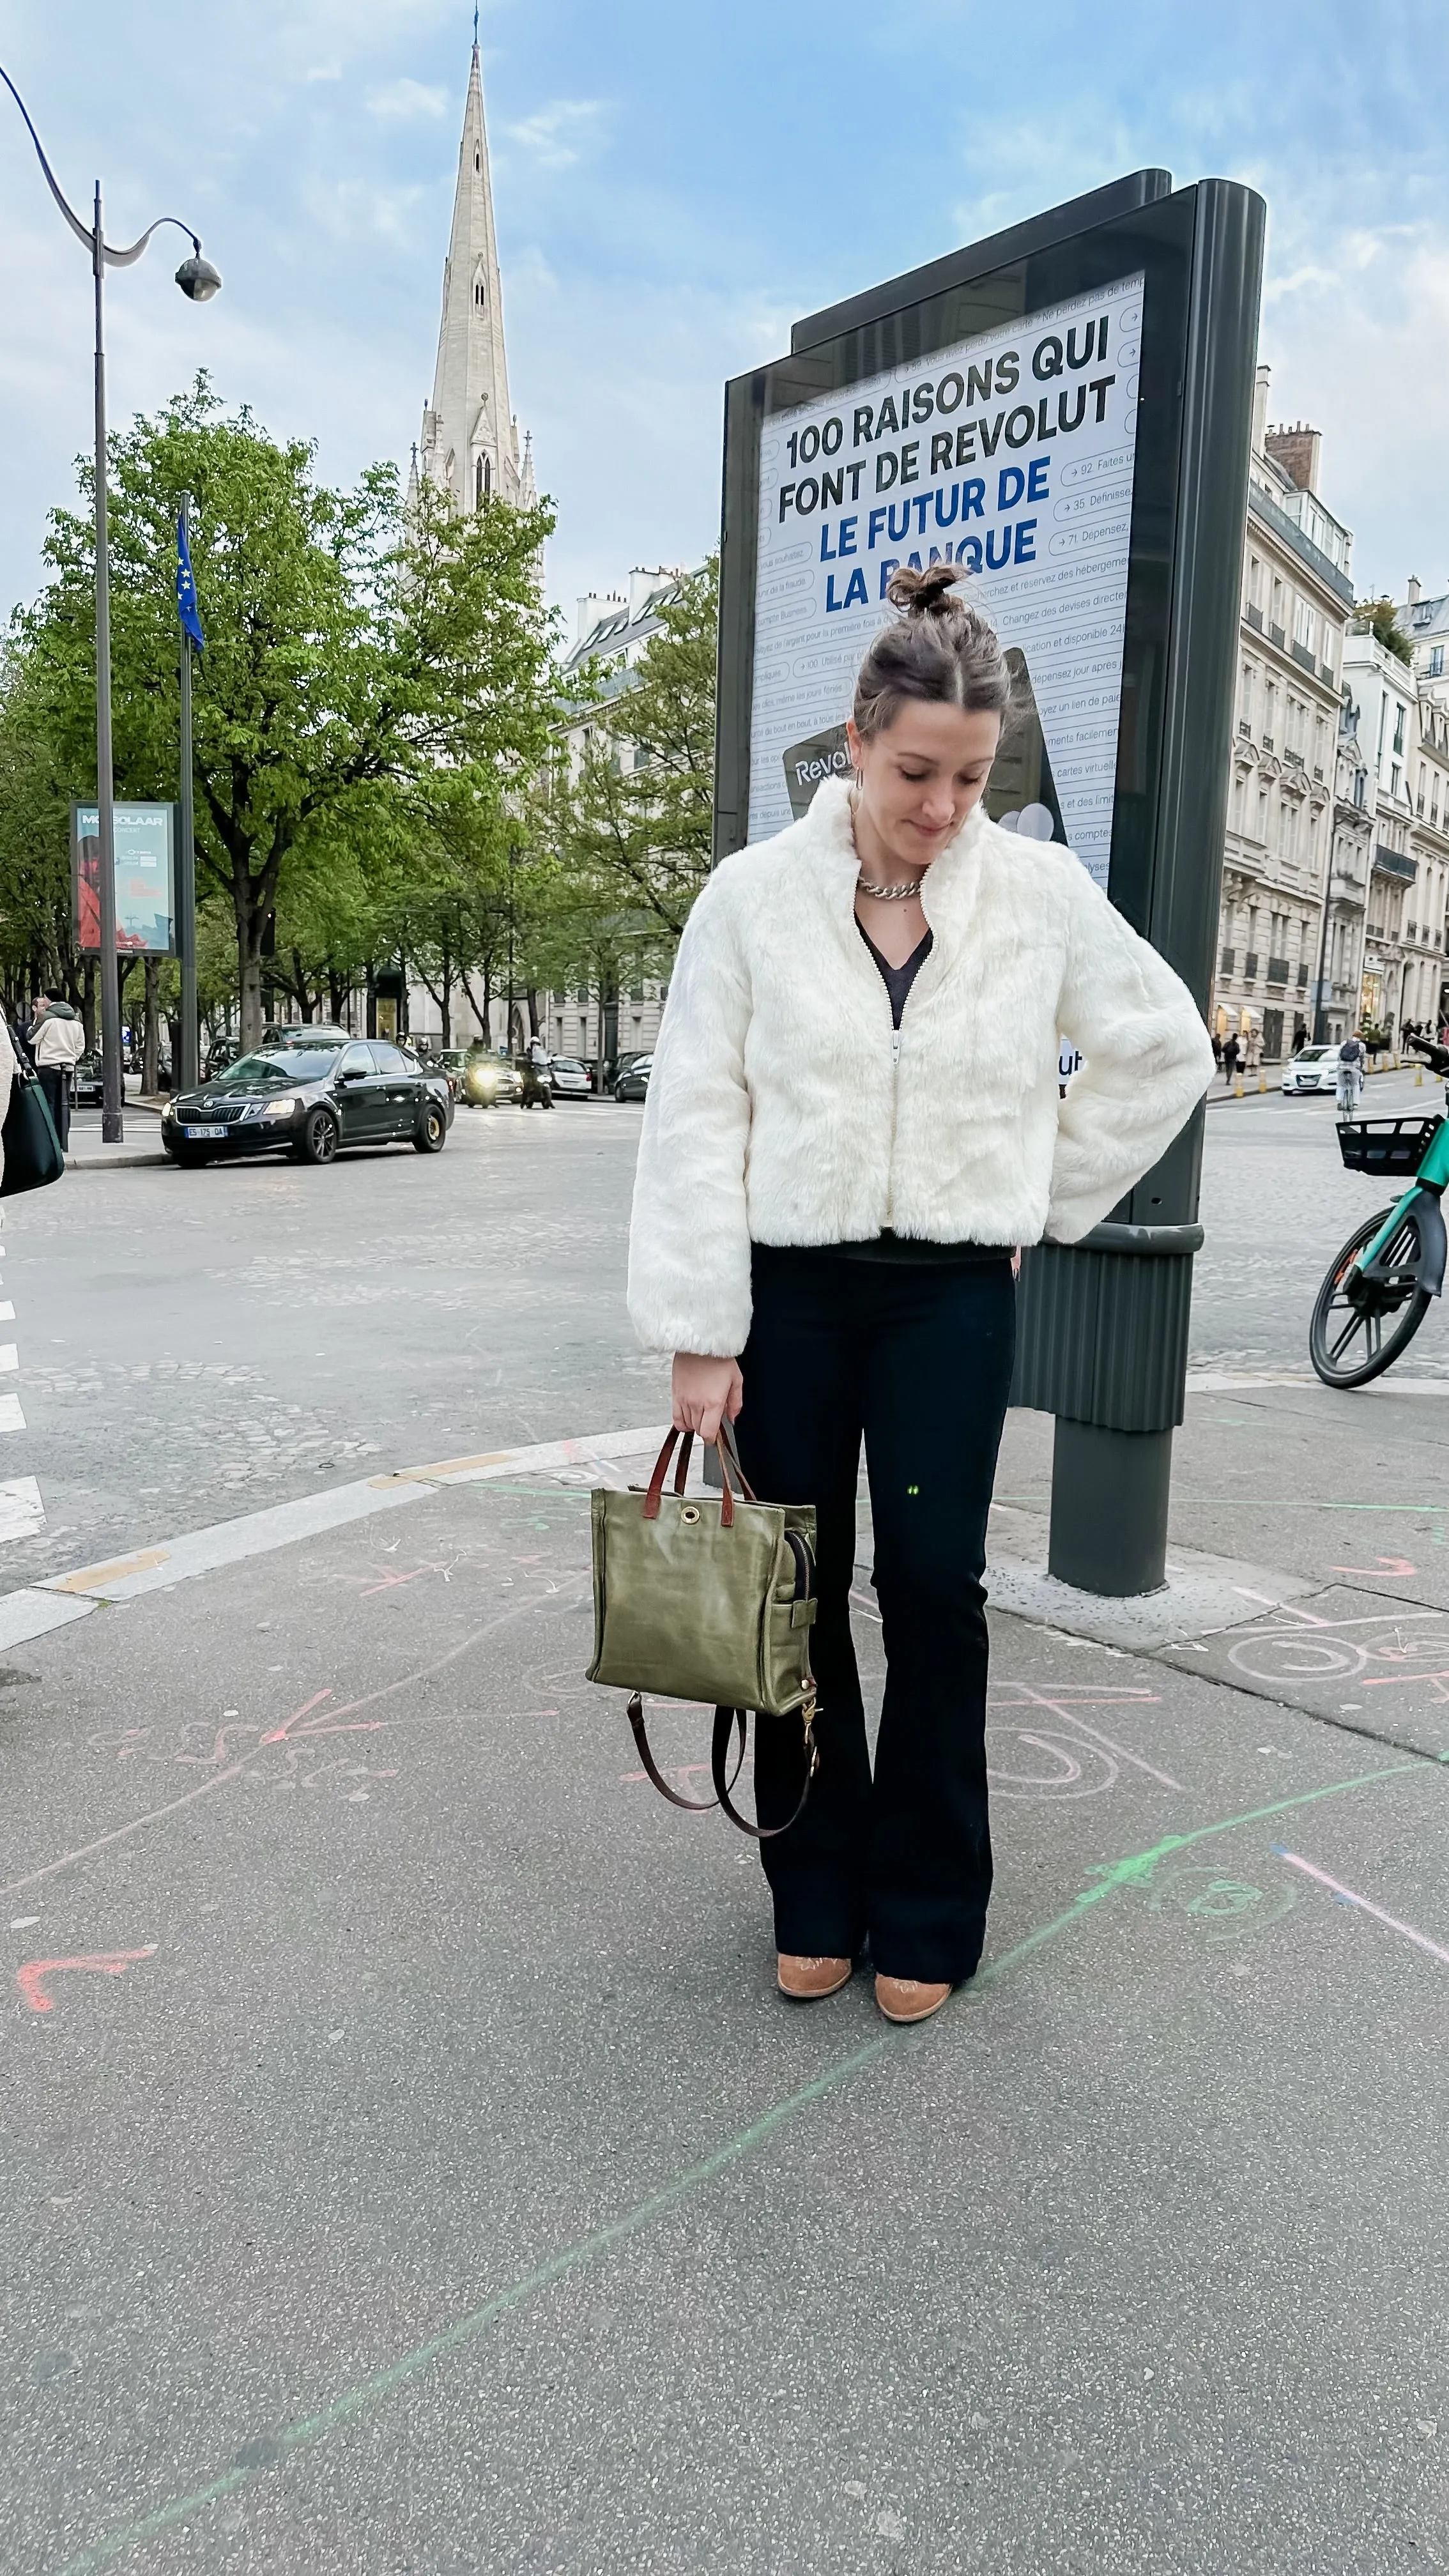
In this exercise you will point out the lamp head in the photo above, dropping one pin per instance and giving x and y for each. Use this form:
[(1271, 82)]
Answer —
[(197, 278)]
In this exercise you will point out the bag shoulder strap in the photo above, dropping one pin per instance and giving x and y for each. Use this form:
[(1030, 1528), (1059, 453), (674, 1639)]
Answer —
[(724, 1719), (691, 1806)]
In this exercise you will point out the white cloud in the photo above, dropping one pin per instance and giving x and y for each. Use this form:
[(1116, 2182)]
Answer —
[(407, 102), (350, 210), (555, 136)]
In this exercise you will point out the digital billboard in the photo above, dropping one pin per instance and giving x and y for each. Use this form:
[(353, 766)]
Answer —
[(145, 841), (1010, 453)]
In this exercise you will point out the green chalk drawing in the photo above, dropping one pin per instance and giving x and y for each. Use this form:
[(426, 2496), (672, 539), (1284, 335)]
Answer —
[(1133, 1872)]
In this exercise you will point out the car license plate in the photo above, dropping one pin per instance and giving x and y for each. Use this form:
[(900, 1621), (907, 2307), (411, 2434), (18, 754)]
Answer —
[(205, 1131)]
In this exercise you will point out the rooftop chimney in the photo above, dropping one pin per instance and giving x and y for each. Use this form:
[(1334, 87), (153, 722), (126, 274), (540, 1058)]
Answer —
[(594, 605), (1414, 590), (1297, 450), (644, 580)]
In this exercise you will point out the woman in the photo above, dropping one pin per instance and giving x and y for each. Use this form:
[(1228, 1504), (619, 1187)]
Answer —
[(854, 1116)]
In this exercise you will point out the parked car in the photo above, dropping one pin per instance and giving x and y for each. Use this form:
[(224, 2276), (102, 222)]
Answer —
[(88, 1088), (1314, 1068), (633, 1082), (570, 1078), (310, 1101)]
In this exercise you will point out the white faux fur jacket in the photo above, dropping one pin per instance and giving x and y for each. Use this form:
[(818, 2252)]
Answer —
[(784, 1108)]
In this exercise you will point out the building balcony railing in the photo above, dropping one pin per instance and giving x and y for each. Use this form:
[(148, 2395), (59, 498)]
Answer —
[(1294, 759), (1300, 653), (1254, 616), (1396, 864), (1266, 508), (1276, 635)]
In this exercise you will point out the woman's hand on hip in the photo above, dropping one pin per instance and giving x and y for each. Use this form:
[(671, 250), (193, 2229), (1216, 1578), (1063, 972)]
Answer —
[(705, 1389)]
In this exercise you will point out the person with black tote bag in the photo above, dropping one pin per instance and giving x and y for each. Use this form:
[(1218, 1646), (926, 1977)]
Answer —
[(854, 1117)]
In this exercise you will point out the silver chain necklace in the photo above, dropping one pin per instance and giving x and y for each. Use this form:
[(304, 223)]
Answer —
[(891, 893)]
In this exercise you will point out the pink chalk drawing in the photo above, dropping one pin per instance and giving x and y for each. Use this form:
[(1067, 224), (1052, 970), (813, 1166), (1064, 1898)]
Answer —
[(109, 1963)]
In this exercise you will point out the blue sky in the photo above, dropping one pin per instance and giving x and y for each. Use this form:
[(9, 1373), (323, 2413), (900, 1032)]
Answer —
[(674, 183)]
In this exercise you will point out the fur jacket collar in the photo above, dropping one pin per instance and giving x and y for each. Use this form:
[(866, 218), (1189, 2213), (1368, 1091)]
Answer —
[(783, 1107)]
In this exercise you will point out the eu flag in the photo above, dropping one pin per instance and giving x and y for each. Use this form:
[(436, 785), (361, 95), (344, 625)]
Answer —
[(187, 609)]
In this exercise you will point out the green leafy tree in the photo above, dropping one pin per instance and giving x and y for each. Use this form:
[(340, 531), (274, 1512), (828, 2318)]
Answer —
[(639, 818), (1382, 620), (352, 646), (36, 940)]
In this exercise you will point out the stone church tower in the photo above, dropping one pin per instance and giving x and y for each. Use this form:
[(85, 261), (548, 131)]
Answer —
[(470, 437)]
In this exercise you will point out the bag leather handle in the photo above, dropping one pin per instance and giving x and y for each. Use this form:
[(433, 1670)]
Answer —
[(691, 1806), (655, 1494), (724, 1719)]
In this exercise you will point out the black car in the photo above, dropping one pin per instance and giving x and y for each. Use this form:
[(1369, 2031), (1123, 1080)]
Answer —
[(633, 1082), (309, 1101), (88, 1090)]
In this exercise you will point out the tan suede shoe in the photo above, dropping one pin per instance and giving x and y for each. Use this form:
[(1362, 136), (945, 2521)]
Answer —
[(906, 1999), (808, 1981)]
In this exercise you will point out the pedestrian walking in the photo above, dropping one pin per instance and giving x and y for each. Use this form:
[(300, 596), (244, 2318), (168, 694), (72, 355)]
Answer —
[(57, 1043), (1230, 1057), (1252, 1050), (1217, 1047), (838, 1154), (7, 1079), (1351, 1061), (1300, 1036)]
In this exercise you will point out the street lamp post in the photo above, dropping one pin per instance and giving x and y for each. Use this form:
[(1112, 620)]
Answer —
[(514, 855), (199, 281)]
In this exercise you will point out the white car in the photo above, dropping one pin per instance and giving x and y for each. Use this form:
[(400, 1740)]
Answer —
[(1314, 1068), (569, 1076)]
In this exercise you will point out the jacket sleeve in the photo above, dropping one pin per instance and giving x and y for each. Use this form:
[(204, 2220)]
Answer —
[(1147, 1061), (689, 1235)]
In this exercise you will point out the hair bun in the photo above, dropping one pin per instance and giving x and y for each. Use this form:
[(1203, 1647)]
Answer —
[(928, 593)]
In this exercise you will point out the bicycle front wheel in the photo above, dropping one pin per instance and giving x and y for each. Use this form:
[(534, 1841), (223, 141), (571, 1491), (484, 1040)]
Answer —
[(1360, 1329)]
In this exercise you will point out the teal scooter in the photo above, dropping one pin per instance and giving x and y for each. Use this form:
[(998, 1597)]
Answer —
[(1376, 1292)]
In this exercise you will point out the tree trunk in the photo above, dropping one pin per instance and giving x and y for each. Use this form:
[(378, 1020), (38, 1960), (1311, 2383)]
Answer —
[(150, 1051), (88, 1004), (533, 1011), (447, 1001), (251, 1003)]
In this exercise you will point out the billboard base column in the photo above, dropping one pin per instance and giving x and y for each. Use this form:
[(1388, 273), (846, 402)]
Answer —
[(1109, 1508)]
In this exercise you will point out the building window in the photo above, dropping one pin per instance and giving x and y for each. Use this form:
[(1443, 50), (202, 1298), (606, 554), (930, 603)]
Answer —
[(1436, 661), (1399, 715), (478, 294)]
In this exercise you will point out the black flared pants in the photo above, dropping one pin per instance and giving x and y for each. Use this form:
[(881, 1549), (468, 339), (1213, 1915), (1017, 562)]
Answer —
[(916, 1357)]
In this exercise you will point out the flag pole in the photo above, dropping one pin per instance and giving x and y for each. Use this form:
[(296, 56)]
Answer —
[(190, 1069)]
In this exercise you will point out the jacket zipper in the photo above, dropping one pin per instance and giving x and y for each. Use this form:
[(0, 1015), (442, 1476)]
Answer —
[(895, 1111)]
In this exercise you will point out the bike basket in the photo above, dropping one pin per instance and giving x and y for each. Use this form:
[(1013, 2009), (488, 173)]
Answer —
[(1385, 1144)]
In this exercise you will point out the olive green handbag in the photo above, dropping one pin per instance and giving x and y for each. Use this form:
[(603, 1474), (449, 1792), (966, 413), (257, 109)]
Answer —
[(705, 1597)]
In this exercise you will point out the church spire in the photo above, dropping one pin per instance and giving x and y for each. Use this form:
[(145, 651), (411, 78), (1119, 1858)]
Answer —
[(470, 438)]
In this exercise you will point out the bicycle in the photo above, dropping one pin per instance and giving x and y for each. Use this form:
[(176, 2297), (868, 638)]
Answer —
[(1377, 1290)]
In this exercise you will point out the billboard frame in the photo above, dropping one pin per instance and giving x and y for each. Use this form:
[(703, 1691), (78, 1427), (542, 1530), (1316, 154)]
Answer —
[(1103, 1325), (125, 806)]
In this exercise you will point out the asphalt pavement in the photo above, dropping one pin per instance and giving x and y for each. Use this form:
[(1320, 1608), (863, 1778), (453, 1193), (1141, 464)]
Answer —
[(443, 2188)]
